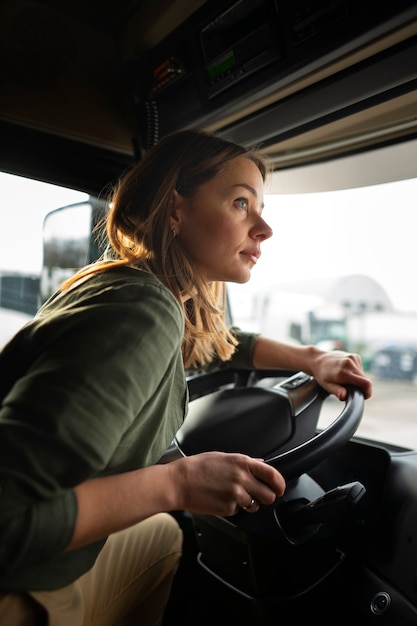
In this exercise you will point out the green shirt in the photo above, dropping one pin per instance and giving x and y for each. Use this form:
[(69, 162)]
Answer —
[(93, 386)]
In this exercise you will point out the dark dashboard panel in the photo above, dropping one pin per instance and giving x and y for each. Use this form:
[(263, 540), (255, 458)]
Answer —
[(263, 72), (382, 544)]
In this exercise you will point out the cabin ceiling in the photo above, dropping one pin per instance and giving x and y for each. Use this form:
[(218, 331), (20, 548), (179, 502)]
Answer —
[(60, 62), (60, 72)]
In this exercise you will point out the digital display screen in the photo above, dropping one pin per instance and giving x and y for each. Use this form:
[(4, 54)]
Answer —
[(238, 42), (222, 65)]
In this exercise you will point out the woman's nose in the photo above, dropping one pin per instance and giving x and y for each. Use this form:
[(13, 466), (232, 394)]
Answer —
[(262, 230)]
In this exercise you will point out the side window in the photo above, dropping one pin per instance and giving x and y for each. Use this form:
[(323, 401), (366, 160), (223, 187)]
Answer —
[(24, 205)]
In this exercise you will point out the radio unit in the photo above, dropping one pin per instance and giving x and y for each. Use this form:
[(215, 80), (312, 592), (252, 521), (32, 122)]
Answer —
[(238, 42)]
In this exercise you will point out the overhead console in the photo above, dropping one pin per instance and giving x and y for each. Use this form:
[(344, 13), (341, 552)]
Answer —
[(229, 61), (238, 42)]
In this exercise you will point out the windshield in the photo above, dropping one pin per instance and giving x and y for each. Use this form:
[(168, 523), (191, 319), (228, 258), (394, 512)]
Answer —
[(338, 272), (25, 204)]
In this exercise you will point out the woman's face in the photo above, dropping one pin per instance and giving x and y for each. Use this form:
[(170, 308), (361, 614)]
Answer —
[(220, 224)]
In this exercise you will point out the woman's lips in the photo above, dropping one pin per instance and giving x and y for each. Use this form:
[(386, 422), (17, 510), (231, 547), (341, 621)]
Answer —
[(253, 255)]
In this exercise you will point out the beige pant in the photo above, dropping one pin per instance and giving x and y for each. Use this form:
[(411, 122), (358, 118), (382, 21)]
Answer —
[(131, 578)]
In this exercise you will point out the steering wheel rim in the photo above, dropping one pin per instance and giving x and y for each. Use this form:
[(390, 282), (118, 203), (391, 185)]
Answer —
[(327, 441), (293, 461)]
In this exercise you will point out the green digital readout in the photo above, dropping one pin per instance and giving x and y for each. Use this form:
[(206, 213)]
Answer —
[(221, 66)]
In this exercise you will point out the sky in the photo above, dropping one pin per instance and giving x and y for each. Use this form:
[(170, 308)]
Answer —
[(356, 231), (366, 231)]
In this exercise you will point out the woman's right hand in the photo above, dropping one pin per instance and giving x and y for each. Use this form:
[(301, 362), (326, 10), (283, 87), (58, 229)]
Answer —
[(219, 483), (212, 483)]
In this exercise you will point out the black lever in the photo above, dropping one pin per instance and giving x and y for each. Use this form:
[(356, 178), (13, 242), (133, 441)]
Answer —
[(331, 505)]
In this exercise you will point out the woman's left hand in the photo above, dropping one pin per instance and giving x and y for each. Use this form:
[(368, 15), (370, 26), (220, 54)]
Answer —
[(336, 369), (333, 370)]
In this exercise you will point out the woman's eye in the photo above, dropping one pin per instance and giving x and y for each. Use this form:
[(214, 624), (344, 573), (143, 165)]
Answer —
[(242, 203)]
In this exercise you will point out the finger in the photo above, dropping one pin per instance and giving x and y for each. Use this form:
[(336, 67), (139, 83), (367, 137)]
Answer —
[(269, 484)]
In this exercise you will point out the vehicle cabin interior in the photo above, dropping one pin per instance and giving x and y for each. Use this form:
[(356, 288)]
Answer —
[(86, 88)]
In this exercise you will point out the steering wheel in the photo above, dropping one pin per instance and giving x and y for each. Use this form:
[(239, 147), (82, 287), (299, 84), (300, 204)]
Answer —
[(269, 414)]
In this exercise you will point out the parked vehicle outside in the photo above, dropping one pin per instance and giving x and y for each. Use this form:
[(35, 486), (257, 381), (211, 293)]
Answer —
[(395, 361)]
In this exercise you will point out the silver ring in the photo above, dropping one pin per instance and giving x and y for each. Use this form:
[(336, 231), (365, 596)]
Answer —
[(250, 505)]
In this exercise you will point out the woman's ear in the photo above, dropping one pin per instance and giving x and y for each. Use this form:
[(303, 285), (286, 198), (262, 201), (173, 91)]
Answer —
[(176, 212)]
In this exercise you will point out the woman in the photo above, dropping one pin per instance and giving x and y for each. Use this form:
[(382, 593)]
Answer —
[(94, 390)]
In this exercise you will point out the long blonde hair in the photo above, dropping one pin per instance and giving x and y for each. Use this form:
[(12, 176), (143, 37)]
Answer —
[(138, 229)]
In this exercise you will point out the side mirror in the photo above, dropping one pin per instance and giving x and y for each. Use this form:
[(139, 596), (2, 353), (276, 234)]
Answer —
[(70, 241)]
